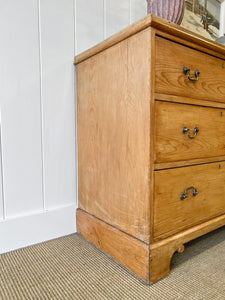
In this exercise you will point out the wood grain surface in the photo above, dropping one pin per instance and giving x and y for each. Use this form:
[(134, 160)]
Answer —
[(170, 79), (171, 144), (113, 109), (171, 214), (130, 252)]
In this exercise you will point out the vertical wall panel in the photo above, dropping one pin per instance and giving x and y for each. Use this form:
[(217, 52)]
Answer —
[(89, 23), (1, 187), (138, 9), (117, 15), (20, 106), (58, 101)]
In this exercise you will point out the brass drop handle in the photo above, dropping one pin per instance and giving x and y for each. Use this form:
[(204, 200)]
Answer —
[(187, 72), (185, 194), (187, 130)]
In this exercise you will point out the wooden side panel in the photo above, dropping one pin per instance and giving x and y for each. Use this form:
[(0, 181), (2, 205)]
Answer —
[(170, 79), (171, 144), (128, 251), (113, 98), (171, 214)]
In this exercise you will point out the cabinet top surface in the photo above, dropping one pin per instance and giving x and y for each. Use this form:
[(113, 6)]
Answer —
[(158, 24)]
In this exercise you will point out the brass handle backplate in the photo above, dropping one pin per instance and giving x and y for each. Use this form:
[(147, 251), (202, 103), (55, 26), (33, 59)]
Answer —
[(187, 130), (187, 72), (185, 194)]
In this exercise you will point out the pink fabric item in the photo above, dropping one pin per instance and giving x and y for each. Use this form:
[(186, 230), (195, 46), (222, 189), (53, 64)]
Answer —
[(172, 10)]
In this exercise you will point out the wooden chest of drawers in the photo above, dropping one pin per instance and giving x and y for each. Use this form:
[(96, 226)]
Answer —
[(151, 143)]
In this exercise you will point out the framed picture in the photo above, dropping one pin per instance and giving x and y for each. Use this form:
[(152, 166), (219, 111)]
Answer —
[(205, 17)]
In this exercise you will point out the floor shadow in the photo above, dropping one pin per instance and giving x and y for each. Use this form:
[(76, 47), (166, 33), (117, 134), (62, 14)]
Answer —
[(198, 246)]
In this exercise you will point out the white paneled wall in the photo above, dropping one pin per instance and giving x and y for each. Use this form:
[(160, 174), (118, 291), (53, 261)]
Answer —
[(96, 20), (20, 107), (2, 205), (89, 17), (37, 109), (117, 15), (138, 10), (58, 101)]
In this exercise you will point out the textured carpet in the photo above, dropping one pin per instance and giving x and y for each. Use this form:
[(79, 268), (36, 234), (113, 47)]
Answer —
[(71, 268)]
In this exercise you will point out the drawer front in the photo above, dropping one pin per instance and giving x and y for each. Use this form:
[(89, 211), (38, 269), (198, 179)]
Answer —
[(173, 212), (174, 144), (170, 79)]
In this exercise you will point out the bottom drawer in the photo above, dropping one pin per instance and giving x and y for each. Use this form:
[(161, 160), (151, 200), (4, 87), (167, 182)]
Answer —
[(175, 209)]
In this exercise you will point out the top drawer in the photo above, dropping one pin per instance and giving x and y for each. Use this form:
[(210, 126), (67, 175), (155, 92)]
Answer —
[(170, 78)]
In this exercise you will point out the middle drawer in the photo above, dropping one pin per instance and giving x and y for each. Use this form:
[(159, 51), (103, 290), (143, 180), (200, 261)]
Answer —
[(185, 132)]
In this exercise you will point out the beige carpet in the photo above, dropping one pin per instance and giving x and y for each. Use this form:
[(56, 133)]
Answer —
[(71, 268)]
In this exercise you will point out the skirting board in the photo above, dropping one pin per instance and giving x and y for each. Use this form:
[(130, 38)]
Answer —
[(23, 231)]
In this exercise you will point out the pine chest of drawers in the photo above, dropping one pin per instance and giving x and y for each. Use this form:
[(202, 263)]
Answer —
[(151, 143)]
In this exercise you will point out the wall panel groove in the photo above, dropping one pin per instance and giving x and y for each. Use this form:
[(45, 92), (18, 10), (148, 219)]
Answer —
[(75, 26), (41, 107)]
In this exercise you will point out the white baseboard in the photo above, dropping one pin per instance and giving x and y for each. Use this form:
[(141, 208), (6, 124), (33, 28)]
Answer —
[(27, 230)]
